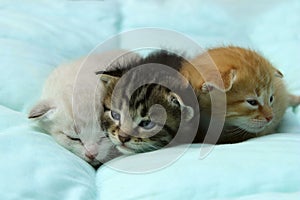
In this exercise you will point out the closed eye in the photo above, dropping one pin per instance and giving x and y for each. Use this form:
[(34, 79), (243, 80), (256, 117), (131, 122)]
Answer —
[(72, 138)]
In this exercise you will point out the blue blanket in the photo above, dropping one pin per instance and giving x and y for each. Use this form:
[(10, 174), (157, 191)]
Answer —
[(36, 37)]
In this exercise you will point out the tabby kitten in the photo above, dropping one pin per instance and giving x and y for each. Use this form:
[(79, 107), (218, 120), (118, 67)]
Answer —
[(146, 117), (256, 97)]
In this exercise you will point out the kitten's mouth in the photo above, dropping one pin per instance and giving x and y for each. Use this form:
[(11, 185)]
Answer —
[(94, 162), (249, 126), (242, 128), (255, 129)]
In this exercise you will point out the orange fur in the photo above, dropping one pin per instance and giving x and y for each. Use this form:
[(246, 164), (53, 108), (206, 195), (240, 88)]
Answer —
[(244, 75)]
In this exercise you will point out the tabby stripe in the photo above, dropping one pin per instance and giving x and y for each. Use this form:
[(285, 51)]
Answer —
[(124, 97), (105, 108), (147, 91), (168, 129)]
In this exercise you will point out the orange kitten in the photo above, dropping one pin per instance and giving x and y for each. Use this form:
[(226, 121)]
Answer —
[(256, 97)]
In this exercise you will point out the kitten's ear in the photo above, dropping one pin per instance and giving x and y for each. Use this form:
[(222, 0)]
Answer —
[(186, 111), (214, 82), (106, 78), (41, 110)]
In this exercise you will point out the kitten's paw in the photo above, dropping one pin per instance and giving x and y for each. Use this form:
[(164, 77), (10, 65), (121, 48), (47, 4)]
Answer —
[(294, 101)]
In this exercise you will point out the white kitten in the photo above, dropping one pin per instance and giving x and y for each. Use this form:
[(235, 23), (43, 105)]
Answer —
[(70, 106)]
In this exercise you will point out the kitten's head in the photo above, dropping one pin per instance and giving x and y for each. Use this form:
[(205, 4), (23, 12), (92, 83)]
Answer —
[(145, 121), (249, 82), (85, 141)]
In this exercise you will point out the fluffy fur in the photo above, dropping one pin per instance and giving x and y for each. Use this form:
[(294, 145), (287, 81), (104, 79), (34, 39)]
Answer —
[(70, 106), (256, 97), (134, 121)]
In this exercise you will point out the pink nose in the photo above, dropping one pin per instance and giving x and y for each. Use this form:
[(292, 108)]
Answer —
[(91, 151), (269, 118), (90, 155)]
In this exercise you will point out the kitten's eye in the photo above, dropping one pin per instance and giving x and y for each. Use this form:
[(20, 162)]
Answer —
[(147, 124), (115, 115), (175, 101), (271, 98), (252, 102), (72, 138)]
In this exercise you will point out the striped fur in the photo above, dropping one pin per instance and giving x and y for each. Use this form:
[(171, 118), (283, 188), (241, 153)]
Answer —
[(128, 133)]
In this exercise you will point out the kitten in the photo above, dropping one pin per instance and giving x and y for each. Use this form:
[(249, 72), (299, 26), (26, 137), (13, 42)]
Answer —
[(66, 109), (135, 123), (256, 97)]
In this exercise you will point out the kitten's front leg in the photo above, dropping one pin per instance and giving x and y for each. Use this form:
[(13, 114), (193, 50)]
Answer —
[(294, 100)]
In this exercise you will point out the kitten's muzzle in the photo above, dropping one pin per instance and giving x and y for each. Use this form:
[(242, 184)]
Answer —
[(123, 137), (91, 151), (90, 155), (269, 118)]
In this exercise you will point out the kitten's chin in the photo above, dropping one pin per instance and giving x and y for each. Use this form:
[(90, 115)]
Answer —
[(242, 128), (254, 129), (125, 150), (95, 163)]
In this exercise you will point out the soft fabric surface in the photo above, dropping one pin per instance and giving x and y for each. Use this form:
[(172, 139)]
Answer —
[(35, 37), (259, 166), (33, 166)]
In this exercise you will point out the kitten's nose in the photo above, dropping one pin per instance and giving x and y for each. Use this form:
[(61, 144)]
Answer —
[(91, 151), (124, 138), (91, 156), (269, 118)]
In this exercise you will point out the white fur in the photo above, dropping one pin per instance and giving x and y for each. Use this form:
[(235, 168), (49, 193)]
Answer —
[(72, 98)]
